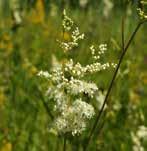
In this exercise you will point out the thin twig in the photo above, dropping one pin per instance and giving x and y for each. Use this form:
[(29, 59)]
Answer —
[(101, 125), (111, 85), (123, 48)]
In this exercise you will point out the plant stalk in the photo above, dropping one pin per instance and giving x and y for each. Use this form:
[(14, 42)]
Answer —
[(64, 145), (99, 114)]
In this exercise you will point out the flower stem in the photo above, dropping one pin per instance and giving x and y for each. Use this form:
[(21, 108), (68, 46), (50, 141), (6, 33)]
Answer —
[(99, 114), (64, 145)]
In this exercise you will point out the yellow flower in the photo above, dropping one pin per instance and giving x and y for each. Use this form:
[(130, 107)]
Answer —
[(65, 36), (33, 70), (38, 14), (134, 97), (6, 147)]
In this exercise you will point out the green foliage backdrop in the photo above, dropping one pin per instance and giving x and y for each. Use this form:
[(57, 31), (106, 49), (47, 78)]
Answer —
[(27, 47)]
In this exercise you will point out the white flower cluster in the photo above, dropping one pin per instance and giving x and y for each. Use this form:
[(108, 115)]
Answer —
[(72, 112), (141, 10), (68, 89), (44, 74), (77, 70), (139, 137), (74, 117), (75, 34), (76, 87), (67, 22), (97, 53), (142, 14)]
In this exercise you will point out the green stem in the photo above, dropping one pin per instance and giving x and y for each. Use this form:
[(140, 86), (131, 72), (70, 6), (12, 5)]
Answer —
[(99, 114), (64, 145), (44, 103)]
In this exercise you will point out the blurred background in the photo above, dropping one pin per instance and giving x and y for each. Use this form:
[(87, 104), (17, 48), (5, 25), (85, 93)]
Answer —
[(29, 30)]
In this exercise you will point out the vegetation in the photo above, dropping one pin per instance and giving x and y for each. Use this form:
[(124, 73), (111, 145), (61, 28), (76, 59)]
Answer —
[(77, 105)]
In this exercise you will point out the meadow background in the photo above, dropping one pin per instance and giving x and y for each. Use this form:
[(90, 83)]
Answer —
[(28, 48)]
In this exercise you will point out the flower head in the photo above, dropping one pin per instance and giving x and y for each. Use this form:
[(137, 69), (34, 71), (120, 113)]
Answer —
[(68, 87)]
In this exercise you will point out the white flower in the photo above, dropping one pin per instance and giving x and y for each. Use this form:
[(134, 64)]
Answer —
[(103, 48), (75, 34), (44, 74), (84, 109), (77, 86), (139, 137), (67, 22), (142, 14), (142, 132), (67, 87), (74, 117)]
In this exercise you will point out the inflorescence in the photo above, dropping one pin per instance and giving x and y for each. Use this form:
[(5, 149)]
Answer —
[(141, 11), (67, 87), (76, 36)]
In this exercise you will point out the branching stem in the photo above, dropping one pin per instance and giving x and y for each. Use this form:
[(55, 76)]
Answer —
[(99, 114)]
